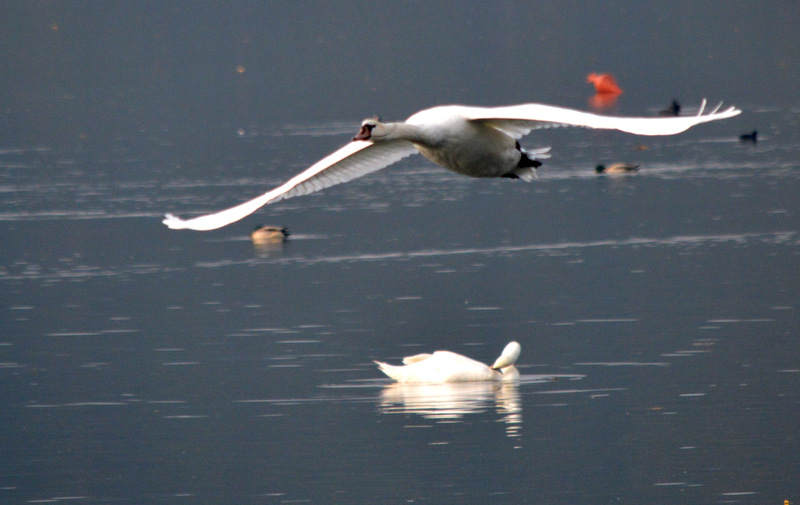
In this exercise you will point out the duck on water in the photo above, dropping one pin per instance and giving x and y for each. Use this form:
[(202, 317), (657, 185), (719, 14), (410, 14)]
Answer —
[(616, 168)]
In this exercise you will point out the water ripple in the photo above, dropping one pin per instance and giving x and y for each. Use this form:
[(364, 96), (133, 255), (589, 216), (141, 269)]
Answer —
[(786, 237)]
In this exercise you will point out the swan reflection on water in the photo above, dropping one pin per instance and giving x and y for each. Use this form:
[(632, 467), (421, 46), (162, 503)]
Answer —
[(452, 401)]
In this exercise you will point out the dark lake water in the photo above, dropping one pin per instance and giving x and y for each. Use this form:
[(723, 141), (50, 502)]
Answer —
[(658, 313)]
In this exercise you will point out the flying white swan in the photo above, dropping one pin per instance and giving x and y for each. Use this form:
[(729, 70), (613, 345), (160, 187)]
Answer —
[(445, 366), (474, 141)]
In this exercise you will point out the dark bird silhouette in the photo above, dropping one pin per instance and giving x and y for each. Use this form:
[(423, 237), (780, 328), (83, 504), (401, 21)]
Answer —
[(673, 110), (749, 137)]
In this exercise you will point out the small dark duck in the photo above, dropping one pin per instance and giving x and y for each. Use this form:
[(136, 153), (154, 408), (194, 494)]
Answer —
[(749, 137), (673, 110)]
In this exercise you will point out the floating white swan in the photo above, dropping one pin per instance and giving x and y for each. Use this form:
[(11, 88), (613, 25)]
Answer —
[(445, 366), (474, 141)]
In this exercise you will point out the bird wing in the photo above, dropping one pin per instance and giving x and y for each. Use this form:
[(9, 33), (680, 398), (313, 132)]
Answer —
[(356, 159), (409, 360), (450, 360), (519, 120), (446, 366)]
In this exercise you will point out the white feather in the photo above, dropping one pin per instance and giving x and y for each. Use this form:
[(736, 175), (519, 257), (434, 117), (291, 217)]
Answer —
[(445, 366), (519, 120), (354, 160)]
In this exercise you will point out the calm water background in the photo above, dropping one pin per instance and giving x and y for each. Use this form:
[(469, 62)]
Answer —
[(658, 313)]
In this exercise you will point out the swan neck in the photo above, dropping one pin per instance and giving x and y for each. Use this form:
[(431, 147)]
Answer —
[(509, 373), (404, 131), (509, 356)]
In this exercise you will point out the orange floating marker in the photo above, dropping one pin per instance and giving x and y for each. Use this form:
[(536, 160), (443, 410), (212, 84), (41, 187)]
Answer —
[(602, 101), (604, 84)]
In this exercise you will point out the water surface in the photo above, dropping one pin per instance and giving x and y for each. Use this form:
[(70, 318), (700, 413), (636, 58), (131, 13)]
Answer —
[(658, 312)]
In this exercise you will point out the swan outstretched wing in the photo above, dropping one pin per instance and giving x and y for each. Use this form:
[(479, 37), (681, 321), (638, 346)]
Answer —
[(356, 159), (519, 120)]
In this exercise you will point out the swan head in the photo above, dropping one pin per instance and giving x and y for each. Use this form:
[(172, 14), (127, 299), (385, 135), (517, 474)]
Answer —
[(509, 357), (373, 129)]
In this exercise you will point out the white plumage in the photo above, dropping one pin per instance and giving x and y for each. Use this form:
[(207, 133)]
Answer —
[(474, 141), (445, 366)]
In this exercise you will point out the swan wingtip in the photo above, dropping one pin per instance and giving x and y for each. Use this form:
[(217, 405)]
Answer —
[(173, 222), (729, 112)]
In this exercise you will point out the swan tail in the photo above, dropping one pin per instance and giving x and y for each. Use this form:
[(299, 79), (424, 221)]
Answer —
[(528, 163), (391, 371), (527, 174), (541, 153)]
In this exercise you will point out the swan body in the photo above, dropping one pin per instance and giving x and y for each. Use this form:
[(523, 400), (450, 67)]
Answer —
[(445, 366), (617, 168), (474, 141)]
